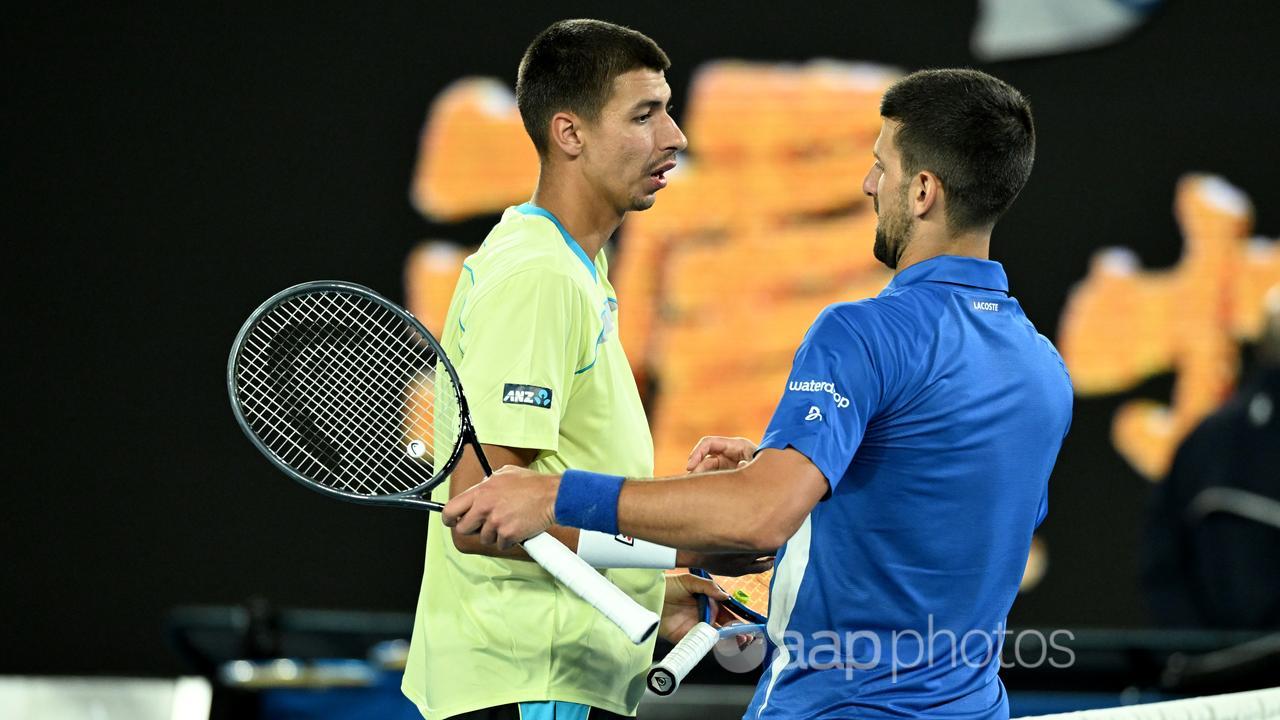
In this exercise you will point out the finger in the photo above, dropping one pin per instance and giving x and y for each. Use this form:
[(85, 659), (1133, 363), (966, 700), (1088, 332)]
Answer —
[(472, 521), (506, 469), (723, 617), (470, 524), (456, 508), (713, 462), (696, 456), (489, 534), (703, 586), (708, 444)]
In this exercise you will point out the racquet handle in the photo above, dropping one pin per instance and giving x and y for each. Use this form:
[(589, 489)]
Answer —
[(665, 676), (574, 573)]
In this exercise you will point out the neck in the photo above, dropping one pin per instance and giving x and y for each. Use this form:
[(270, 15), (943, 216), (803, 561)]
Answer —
[(927, 245), (581, 208)]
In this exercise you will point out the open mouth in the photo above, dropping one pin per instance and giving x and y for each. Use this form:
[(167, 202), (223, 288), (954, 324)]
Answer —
[(659, 174)]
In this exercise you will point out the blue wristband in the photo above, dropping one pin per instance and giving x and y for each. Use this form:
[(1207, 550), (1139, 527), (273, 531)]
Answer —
[(588, 501)]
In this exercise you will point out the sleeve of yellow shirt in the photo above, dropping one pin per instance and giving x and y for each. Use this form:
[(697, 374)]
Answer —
[(524, 338)]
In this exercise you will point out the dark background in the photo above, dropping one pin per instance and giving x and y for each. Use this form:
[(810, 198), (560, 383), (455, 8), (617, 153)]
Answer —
[(167, 169)]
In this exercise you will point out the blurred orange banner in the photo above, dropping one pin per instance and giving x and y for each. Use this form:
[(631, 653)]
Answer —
[(1122, 324)]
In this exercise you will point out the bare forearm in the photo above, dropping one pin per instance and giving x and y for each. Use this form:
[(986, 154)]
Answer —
[(756, 507), (471, 545), (706, 512)]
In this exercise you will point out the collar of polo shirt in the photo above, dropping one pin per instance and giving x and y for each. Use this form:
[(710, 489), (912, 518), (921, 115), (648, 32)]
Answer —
[(985, 274)]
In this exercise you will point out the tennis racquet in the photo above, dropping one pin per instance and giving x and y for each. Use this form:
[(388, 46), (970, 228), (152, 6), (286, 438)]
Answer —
[(748, 599), (348, 394)]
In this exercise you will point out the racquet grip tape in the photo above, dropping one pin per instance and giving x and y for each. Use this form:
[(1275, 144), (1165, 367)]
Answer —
[(635, 620), (665, 676)]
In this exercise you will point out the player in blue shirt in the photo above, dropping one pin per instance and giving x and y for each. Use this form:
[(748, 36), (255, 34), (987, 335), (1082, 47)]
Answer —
[(906, 465)]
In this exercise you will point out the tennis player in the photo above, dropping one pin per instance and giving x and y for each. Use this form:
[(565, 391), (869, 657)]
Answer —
[(532, 330), (907, 463)]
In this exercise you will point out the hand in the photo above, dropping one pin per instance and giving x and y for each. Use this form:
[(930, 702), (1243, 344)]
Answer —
[(680, 606), (720, 453), (730, 564), (509, 507)]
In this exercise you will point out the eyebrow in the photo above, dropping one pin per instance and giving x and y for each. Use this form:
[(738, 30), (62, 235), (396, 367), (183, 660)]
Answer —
[(875, 154), (646, 104)]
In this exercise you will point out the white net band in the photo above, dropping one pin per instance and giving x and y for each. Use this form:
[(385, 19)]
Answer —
[(1252, 705)]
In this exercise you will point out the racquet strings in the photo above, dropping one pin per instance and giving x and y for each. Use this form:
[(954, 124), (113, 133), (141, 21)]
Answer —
[(750, 590), (341, 389)]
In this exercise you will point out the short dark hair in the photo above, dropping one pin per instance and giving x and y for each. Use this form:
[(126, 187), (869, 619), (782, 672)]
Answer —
[(571, 66), (974, 131)]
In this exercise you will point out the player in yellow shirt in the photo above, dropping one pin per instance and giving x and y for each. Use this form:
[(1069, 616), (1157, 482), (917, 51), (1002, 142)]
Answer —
[(532, 331)]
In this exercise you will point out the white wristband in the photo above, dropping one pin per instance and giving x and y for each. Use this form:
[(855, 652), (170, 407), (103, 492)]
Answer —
[(619, 551)]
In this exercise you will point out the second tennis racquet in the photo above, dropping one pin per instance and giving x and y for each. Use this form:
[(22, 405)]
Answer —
[(748, 600)]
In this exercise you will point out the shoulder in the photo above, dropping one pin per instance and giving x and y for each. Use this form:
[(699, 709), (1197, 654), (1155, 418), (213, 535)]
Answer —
[(547, 286), (1047, 355), (851, 330), (868, 320), (524, 255), (1046, 345), (520, 242)]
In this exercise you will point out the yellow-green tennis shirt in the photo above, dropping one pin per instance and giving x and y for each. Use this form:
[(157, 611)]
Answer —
[(532, 331)]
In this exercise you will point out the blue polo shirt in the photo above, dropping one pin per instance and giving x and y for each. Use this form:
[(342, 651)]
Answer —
[(935, 411)]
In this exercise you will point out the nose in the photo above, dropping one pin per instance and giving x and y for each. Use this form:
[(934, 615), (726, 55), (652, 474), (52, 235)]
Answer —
[(871, 182), (675, 140)]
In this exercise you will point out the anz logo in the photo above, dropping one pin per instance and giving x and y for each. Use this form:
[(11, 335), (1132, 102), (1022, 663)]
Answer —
[(513, 394)]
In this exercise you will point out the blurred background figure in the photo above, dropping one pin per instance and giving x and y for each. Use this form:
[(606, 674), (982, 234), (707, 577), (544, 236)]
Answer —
[(1212, 549)]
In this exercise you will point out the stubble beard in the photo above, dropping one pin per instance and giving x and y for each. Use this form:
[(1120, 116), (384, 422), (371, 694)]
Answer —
[(893, 233)]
